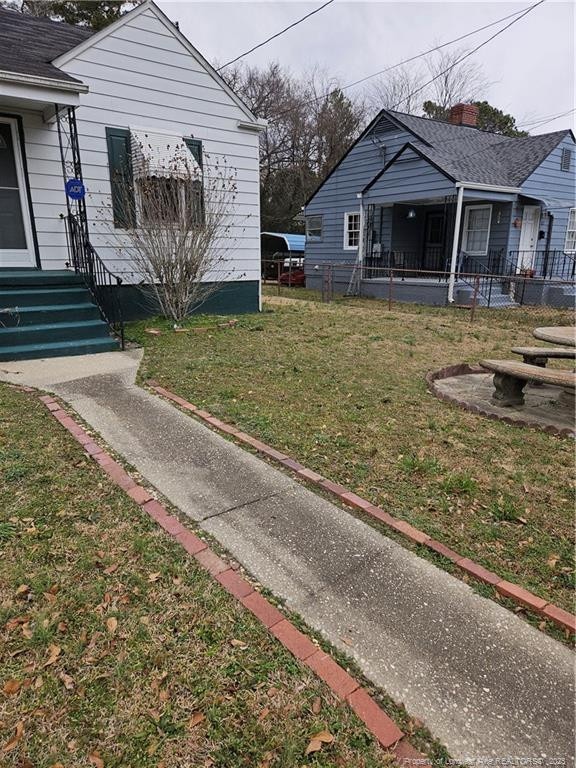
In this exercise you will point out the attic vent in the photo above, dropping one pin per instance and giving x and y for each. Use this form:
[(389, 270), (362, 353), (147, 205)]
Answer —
[(565, 159), (384, 125)]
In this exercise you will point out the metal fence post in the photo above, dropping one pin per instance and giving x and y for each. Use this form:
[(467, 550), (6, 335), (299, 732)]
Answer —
[(475, 297), (278, 278), (390, 284)]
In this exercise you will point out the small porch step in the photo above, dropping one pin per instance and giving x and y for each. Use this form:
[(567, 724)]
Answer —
[(12, 278), (48, 313), (21, 297), (58, 349), (48, 332)]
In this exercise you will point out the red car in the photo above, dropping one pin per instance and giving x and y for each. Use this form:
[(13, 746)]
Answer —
[(293, 273)]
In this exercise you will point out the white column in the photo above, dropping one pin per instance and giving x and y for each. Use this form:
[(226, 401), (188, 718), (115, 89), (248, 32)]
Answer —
[(455, 241), (360, 255)]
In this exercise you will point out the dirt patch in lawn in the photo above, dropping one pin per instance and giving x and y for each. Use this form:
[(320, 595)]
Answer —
[(341, 388)]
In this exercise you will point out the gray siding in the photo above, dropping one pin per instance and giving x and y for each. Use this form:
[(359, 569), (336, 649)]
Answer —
[(410, 178), (559, 187), (338, 194)]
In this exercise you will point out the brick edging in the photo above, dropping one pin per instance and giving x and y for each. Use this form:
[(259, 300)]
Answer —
[(463, 369), (340, 682), (523, 597)]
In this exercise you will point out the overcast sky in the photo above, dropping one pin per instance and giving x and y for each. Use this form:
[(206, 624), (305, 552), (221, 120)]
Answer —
[(530, 67)]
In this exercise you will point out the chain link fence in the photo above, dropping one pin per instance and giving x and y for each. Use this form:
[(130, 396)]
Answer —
[(291, 276)]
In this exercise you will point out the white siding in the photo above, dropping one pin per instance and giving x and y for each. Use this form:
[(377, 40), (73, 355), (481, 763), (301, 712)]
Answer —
[(142, 75)]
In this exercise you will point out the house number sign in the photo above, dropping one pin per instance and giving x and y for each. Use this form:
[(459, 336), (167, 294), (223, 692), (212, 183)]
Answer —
[(75, 189)]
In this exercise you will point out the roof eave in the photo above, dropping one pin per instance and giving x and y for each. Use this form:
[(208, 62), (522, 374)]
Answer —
[(19, 78)]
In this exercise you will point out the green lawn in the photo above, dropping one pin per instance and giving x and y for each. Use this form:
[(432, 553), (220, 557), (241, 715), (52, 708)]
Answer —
[(341, 388), (117, 650)]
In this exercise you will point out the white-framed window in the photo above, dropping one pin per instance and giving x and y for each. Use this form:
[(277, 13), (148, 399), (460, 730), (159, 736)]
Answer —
[(570, 243), (351, 231), (314, 228), (476, 232)]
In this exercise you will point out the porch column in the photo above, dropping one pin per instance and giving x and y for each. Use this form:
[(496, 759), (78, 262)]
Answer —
[(455, 241)]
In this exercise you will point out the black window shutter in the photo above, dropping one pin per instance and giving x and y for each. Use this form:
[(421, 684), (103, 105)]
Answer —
[(195, 147), (121, 178), (197, 192)]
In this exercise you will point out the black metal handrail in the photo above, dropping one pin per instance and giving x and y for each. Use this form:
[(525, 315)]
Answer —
[(548, 264), (100, 281)]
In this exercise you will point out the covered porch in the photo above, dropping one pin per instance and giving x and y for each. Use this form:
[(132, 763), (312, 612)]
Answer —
[(434, 237)]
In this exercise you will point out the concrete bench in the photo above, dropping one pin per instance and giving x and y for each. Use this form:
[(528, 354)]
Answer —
[(510, 378), (540, 355)]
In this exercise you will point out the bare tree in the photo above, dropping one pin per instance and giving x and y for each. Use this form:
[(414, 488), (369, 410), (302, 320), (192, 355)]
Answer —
[(454, 80), (311, 123), (180, 238), (398, 89)]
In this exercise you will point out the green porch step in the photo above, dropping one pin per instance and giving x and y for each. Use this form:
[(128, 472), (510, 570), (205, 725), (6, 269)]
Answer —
[(23, 297), (27, 278), (58, 349), (49, 313), (49, 332)]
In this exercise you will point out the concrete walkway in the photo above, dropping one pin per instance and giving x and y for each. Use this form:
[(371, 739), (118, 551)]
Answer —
[(483, 681)]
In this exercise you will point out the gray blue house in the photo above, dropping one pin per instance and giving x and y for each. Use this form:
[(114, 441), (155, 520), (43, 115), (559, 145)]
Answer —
[(439, 201)]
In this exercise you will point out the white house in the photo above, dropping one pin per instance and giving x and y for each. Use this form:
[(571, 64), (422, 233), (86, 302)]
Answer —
[(71, 103)]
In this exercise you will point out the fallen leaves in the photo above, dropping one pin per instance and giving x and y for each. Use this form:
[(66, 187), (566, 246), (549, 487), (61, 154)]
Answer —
[(23, 590), (54, 652), (95, 759), (112, 624), (196, 719), (67, 680), (552, 560), (316, 742), (317, 705), (11, 687), (13, 742), (153, 577)]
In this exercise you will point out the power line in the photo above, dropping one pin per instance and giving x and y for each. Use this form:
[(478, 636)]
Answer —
[(282, 31), (468, 54), (545, 119), (406, 61)]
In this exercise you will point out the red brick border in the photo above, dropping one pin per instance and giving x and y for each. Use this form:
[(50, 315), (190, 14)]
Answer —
[(519, 595), (343, 685), (463, 369)]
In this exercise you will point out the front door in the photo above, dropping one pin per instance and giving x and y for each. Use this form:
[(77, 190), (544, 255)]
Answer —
[(16, 243), (528, 237), (434, 241)]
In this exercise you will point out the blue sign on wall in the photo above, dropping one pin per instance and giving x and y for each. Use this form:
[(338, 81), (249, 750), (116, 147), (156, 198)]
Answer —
[(75, 189)]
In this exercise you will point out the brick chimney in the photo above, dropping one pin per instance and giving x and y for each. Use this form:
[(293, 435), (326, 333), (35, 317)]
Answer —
[(464, 114)]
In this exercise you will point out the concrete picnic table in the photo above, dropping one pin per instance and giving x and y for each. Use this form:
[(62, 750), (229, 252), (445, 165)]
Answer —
[(561, 334)]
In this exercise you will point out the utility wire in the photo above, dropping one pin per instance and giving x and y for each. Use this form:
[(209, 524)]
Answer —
[(406, 61), (545, 119), (468, 54), (282, 31)]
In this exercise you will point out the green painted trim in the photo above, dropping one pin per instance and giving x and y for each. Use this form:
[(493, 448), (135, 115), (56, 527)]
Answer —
[(233, 298)]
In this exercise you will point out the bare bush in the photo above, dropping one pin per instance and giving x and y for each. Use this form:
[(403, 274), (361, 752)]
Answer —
[(179, 221)]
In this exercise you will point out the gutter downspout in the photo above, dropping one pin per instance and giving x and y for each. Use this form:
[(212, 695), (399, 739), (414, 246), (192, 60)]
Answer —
[(455, 239)]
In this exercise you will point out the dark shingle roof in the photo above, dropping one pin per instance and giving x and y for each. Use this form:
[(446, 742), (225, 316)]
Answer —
[(479, 157), (28, 44)]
